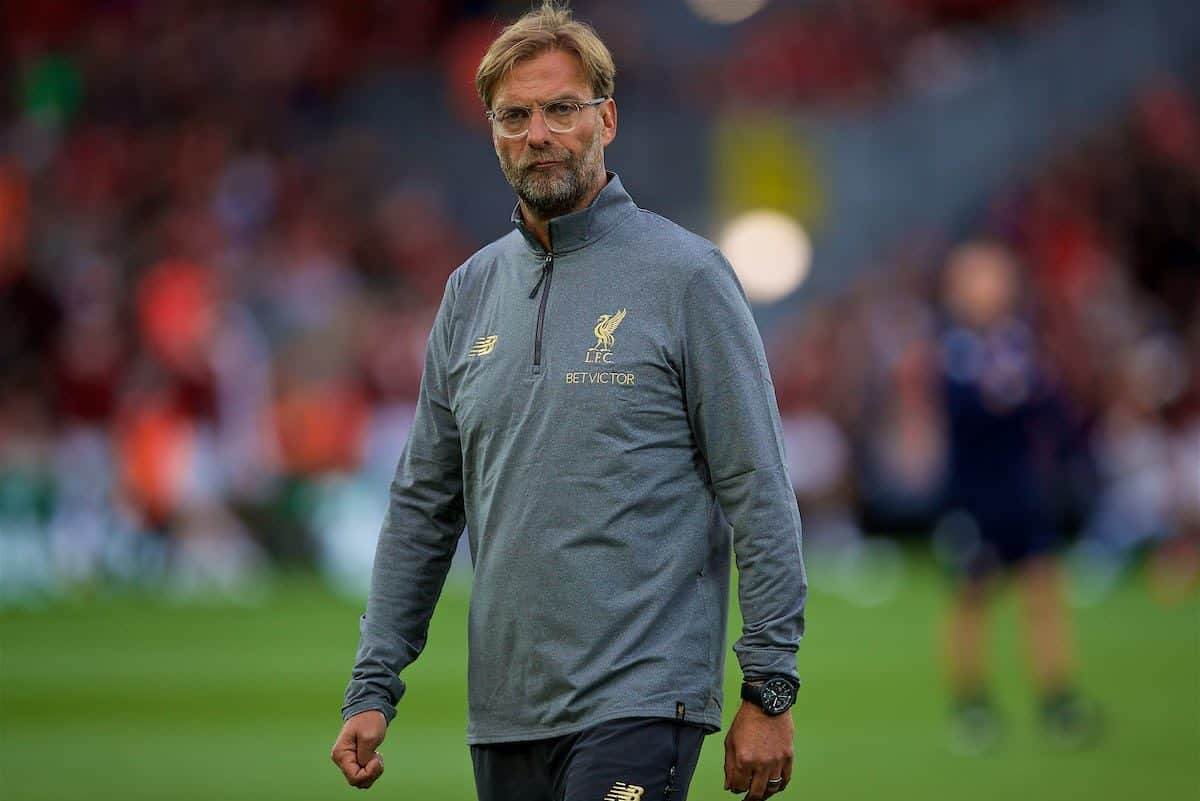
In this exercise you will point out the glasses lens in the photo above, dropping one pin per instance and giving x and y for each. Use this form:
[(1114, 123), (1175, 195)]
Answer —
[(512, 121), (561, 117)]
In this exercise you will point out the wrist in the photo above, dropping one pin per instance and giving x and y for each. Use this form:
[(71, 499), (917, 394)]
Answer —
[(363, 714), (773, 695)]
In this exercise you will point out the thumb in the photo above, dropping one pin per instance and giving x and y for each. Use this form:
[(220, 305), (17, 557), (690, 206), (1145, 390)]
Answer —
[(367, 736), (364, 748)]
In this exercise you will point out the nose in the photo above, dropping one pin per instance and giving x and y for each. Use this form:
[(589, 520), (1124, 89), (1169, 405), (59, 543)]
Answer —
[(539, 132)]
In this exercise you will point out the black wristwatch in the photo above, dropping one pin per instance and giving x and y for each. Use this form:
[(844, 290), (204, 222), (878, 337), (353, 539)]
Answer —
[(774, 696)]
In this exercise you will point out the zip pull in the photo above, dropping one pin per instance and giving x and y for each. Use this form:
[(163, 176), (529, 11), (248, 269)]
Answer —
[(547, 266)]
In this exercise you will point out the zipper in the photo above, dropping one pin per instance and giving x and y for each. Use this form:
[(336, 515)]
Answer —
[(545, 278), (670, 790)]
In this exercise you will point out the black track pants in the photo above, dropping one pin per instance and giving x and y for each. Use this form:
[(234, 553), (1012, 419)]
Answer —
[(634, 759)]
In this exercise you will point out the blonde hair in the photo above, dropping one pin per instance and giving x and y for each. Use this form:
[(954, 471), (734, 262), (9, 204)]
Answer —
[(548, 27)]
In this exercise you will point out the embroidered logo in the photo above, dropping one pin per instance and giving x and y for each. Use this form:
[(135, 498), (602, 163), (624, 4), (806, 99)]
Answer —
[(484, 345), (624, 792), (602, 353), (606, 326)]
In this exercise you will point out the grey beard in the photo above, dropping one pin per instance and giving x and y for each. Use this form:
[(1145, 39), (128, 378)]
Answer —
[(548, 195)]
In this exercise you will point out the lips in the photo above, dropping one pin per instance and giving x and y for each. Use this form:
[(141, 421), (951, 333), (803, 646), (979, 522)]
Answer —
[(543, 161)]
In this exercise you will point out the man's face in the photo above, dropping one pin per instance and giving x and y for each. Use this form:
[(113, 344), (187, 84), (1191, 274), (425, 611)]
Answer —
[(553, 173)]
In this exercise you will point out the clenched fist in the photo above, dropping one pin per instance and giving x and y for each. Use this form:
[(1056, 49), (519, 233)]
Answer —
[(354, 750)]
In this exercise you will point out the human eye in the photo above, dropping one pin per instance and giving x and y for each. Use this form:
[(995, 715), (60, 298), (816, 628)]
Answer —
[(562, 112), (561, 108), (512, 115)]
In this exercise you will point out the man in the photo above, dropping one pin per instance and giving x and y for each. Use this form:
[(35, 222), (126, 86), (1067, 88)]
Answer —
[(998, 413), (596, 409)]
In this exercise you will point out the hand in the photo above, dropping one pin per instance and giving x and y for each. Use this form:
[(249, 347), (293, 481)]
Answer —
[(354, 750), (758, 748)]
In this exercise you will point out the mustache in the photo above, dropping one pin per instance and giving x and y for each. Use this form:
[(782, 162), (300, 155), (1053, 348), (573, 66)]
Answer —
[(525, 163)]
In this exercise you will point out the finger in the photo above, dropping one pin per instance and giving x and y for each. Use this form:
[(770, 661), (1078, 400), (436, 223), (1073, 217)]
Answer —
[(349, 768), (729, 768), (366, 775), (739, 777), (355, 774), (369, 773), (739, 784), (775, 771), (758, 785), (344, 757)]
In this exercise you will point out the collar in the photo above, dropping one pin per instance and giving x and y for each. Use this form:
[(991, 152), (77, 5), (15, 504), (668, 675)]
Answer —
[(580, 228)]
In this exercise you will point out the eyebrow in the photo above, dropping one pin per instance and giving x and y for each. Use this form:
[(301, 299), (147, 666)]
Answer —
[(558, 99)]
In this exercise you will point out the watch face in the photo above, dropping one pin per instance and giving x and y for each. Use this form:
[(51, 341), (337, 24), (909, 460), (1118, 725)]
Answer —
[(777, 696)]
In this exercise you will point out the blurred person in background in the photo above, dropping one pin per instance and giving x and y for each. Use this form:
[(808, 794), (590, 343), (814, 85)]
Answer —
[(999, 518), (599, 428)]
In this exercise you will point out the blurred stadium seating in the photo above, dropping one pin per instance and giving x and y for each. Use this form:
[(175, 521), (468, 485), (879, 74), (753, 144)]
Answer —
[(217, 273)]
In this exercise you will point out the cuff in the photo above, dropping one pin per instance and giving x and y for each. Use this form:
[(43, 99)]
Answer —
[(350, 710), (763, 663)]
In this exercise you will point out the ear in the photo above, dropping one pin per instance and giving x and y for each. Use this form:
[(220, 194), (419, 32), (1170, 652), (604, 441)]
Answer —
[(608, 121)]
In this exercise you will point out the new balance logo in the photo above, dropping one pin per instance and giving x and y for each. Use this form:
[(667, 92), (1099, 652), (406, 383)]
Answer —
[(484, 345), (624, 792)]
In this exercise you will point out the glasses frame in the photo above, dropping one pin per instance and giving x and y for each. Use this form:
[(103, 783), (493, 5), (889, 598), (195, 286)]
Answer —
[(579, 104)]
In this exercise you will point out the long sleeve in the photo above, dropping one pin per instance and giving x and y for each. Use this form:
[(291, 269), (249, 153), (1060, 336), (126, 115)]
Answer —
[(420, 531), (735, 420)]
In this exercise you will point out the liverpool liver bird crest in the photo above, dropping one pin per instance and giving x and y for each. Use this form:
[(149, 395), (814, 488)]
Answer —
[(605, 326)]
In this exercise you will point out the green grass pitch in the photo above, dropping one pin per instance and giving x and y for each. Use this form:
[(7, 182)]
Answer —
[(132, 700)]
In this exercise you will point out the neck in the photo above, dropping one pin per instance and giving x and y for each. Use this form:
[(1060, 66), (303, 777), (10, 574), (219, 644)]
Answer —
[(540, 226)]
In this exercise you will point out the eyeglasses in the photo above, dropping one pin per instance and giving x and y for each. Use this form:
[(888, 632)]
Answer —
[(561, 116)]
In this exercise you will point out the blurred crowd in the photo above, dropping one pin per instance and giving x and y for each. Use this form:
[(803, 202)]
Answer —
[(1100, 355), (855, 53), (207, 300), (213, 311)]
